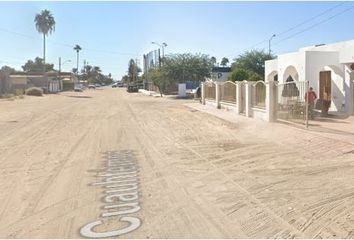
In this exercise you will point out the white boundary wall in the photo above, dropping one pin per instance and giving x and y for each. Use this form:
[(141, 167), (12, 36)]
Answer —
[(266, 114)]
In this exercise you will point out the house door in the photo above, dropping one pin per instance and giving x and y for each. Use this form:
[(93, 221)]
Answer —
[(325, 86)]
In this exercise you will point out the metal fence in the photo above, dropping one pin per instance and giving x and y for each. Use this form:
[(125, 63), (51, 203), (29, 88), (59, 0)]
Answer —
[(210, 90), (258, 93), (290, 101), (228, 92)]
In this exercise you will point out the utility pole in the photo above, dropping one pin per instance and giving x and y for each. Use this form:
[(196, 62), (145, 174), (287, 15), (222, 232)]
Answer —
[(162, 46), (59, 66), (270, 51), (136, 68)]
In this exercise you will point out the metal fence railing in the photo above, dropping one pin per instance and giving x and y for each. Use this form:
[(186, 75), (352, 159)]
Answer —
[(290, 100), (228, 92), (210, 90), (258, 93)]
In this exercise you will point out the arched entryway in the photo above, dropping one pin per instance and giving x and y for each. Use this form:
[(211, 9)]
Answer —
[(273, 76), (291, 71)]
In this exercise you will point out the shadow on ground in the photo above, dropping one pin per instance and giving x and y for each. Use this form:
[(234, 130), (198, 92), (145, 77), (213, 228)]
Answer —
[(79, 96)]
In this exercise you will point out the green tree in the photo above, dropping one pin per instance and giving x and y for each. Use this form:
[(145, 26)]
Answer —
[(125, 79), (8, 69), (224, 61), (37, 66), (159, 79), (133, 71), (239, 75), (45, 24), (187, 67), (252, 61), (213, 61)]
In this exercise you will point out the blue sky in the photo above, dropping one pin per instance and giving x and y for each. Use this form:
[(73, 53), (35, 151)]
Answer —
[(111, 33)]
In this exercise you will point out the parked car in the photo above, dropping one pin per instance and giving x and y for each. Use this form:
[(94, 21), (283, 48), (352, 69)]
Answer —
[(114, 85), (132, 88), (91, 86), (97, 85)]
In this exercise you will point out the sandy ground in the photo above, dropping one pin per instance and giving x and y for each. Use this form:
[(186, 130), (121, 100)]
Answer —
[(200, 176)]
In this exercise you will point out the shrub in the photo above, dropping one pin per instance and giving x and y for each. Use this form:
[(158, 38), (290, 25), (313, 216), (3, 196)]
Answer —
[(34, 91), (240, 74)]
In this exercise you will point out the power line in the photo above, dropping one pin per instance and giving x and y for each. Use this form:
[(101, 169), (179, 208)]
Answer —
[(315, 25), (16, 33), (310, 19), (294, 27), (111, 52), (255, 45), (68, 45), (1, 62)]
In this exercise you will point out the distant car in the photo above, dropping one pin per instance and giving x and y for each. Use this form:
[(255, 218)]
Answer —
[(97, 85), (114, 85), (91, 86), (120, 84), (78, 89)]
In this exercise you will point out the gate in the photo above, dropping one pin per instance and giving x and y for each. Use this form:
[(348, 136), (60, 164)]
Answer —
[(290, 101)]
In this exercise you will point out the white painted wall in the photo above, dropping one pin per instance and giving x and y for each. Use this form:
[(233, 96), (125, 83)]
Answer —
[(326, 61), (220, 76), (182, 90), (308, 62), (271, 69), (290, 61)]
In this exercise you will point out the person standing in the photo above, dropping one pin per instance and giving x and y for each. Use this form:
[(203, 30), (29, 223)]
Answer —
[(310, 97)]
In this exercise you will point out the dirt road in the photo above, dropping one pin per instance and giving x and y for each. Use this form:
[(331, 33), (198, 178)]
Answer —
[(104, 163)]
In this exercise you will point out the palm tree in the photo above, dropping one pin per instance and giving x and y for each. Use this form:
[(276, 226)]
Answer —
[(45, 24), (77, 48), (224, 61)]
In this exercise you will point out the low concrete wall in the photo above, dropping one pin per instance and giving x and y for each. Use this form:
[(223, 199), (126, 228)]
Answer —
[(228, 106), (245, 95), (210, 102), (259, 113)]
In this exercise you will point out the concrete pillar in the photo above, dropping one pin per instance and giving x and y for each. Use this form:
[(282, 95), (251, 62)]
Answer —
[(248, 99), (270, 101), (238, 97), (348, 90), (217, 94), (202, 92)]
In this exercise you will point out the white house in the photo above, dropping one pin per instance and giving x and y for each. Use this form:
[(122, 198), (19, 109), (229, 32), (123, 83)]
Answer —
[(220, 74), (328, 68)]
